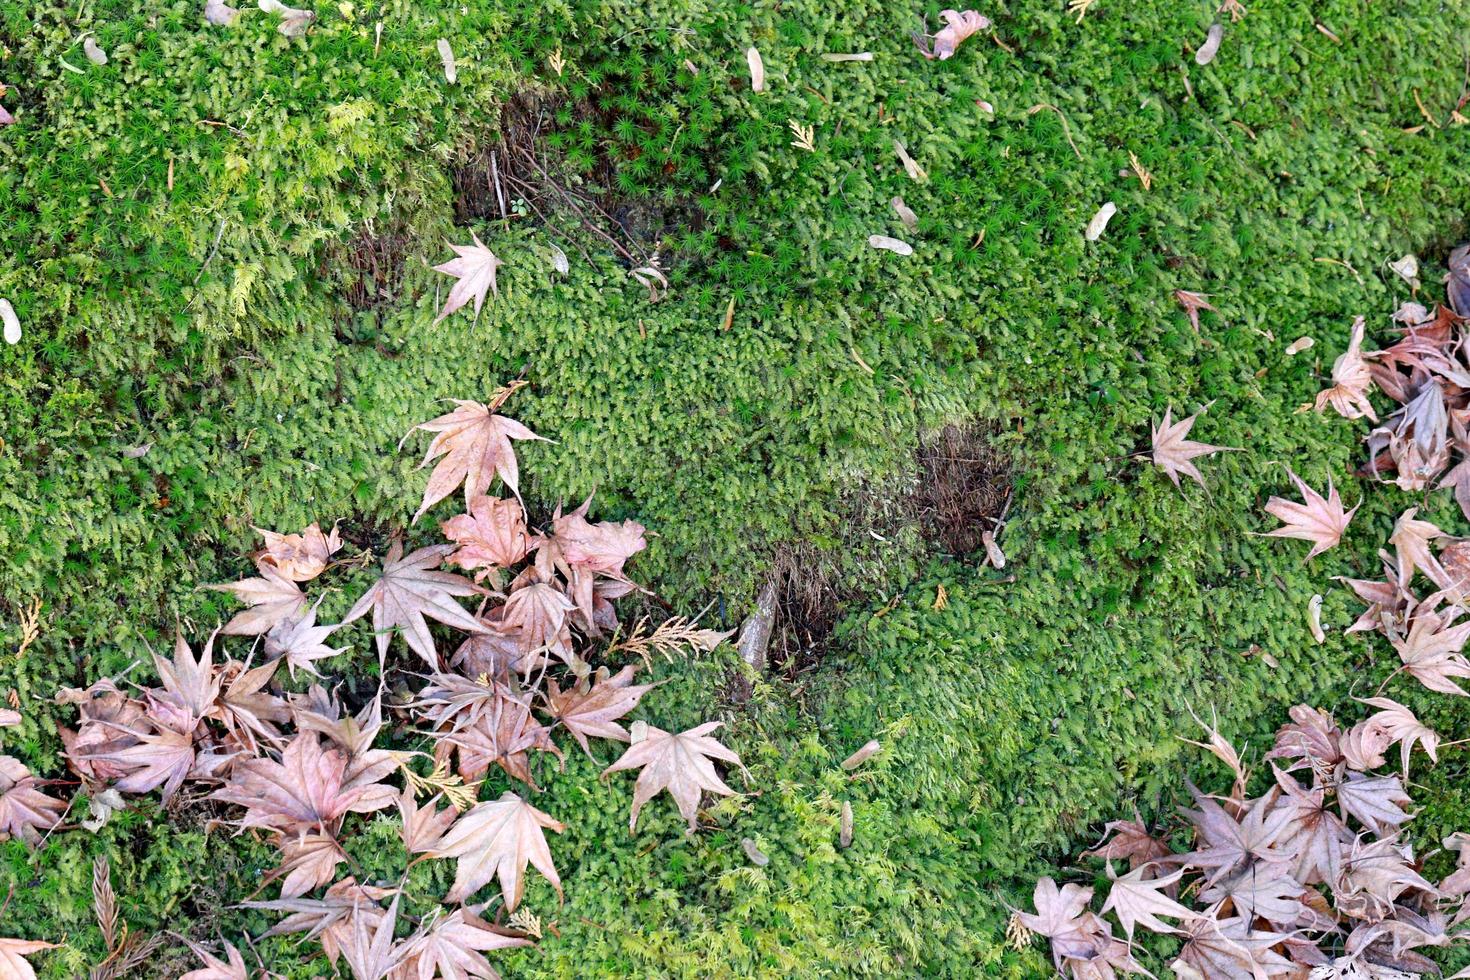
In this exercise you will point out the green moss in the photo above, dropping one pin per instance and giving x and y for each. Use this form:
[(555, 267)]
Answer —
[(210, 322)]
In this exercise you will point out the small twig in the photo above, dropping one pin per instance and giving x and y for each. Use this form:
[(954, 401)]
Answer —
[(213, 249), (1066, 130)]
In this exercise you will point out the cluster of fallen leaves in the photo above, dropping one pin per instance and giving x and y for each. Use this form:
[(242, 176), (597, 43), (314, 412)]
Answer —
[(1311, 878), (295, 767)]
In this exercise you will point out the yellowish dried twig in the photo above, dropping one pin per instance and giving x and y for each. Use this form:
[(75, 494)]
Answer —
[(1080, 8), (1144, 177), (806, 137), (670, 637), (461, 795)]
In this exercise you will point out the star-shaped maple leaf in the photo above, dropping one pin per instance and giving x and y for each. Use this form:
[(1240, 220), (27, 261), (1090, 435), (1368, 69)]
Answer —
[(25, 811), (588, 709), (1172, 452), (499, 839), (476, 446), (452, 946), (410, 589), (214, 967), (1193, 303), (271, 597), (680, 764), (1320, 520), (1139, 901), (301, 641), (474, 266)]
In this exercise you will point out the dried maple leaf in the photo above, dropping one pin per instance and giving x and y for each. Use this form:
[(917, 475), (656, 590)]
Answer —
[(452, 946), (369, 948), (1310, 836), (504, 737), (1318, 520), (1411, 539), (1311, 739), (491, 536), (304, 791), (474, 266), (476, 446), (308, 861), (1416, 437), (423, 826), (536, 614), (1430, 650), (1374, 801), (330, 917), (214, 967), (190, 687), (1173, 453), (498, 839), (298, 557), (1138, 901), (1351, 379), (1229, 949), (1130, 840), (1058, 911), (25, 811), (301, 641), (1457, 289), (1266, 892), (162, 758), (1374, 874), (1193, 303), (1230, 844), (958, 26), (590, 709), (1397, 724), (272, 598), (12, 957), (680, 764), (410, 589), (246, 710)]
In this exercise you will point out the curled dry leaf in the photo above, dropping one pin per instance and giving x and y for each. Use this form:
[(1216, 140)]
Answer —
[(1211, 47), (1299, 345), (8, 718), (473, 267), (1351, 379), (844, 831), (993, 554), (299, 557), (1407, 268), (1457, 287), (1320, 520), (757, 70), (905, 214), (755, 854), (10, 320), (25, 811), (869, 749), (559, 260), (13, 965), (910, 166), (1314, 618), (958, 26), (1099, 222), (94, 53), (890, 244), (451, 72), (680, 764), (651, 278), (860, 56)]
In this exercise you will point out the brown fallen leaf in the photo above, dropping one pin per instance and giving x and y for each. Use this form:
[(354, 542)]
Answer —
[(411, 589), (476, 446), (451, 945), (1139, 901), (272, 598), (12, 957), (474, 268), (299, 557), (680, 764), (215, 968), (498, 839), (1173, 452), (1193, 303), (492, 536), (592, 710), (1351, 380), (25, 811), (1317, 519), (958, 26)]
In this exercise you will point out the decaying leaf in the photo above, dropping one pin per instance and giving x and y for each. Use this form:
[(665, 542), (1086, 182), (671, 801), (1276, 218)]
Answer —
[(1317, 519), (491, 536), (451, 75), (473, 267), (869, 749), (1193, 303), (299, 557), (957, 27), (890, 244), (1099, 222), (476, 446), (1211, 47), (294, 21), (498, 839), (1457, 288), (757, 70), (13, 965), (910, 165), (25, 810), (301, 642), (907, 216), (272, 599), (680, 764), (216, 968), (452, 945), (591, 710), (1137, 900), (1407, 267)]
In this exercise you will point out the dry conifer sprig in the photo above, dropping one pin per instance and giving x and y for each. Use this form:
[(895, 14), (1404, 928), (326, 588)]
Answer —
[(297, 767)]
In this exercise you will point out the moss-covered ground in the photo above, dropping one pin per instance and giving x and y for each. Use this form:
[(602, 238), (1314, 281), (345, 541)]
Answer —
[(178, 231)]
